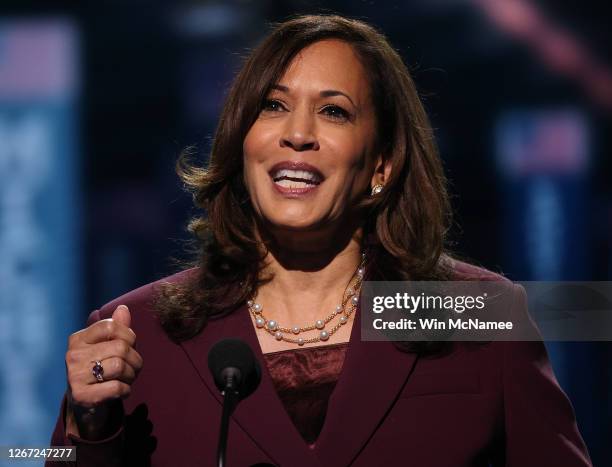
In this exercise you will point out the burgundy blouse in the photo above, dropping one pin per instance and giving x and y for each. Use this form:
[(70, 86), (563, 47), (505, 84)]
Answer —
[(304, 379)]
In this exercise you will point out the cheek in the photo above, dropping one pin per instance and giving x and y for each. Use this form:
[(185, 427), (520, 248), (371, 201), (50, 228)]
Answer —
[(253, 153), (262, 134), (249, 147), (349, 160)]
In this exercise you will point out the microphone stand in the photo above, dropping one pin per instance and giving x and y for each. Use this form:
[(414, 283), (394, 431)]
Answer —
[(230, 400)]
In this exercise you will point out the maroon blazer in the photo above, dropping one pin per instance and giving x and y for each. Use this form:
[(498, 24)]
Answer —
[(494, 404)]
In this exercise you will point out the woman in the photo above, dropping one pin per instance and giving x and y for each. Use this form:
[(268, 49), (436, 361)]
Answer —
[(323, 172)]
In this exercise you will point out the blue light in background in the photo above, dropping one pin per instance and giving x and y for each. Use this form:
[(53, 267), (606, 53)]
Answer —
[(546, 229), (543, 157), (40, 264)]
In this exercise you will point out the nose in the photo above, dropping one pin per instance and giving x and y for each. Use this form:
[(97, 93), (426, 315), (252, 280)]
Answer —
[(299, 133)]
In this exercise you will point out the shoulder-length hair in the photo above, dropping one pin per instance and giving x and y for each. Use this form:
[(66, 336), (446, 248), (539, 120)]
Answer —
[(405, 227)]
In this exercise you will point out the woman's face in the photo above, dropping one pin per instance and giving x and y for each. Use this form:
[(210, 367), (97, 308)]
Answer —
[(309, 155)]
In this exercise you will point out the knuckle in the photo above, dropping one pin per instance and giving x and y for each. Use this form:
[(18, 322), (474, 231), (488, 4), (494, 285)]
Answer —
[(119, 365), (75, 338), (72, 338), (77, 395), (138, 360), (72, 357), (72, 375), (109, 327), (115, 387), (121, 347)]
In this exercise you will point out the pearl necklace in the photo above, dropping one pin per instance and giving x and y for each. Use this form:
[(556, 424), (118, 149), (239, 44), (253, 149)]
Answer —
[(350, 297)]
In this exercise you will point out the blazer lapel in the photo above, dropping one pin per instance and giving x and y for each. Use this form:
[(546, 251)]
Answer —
[(372, 377), (262, 415)]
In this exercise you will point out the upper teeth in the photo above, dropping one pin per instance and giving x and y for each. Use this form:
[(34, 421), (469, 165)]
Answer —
[(298, 174)]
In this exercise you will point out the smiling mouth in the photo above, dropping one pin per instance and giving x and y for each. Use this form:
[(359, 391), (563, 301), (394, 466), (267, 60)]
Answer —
[(296, 179)]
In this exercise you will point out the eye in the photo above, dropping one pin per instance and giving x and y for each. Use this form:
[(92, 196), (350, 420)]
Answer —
[(272, 105), (336, 112)]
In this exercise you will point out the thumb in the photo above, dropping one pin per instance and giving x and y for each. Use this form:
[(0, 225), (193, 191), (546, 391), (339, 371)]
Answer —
[(122, 315)]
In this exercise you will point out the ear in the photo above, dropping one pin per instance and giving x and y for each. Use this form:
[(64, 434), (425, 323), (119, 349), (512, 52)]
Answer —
[(382, 171)]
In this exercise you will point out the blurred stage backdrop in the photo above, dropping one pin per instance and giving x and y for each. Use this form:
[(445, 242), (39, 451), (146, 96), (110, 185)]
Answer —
[(96, 102)]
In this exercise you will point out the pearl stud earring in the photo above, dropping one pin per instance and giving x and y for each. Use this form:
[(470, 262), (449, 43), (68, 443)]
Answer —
[(376, 189)]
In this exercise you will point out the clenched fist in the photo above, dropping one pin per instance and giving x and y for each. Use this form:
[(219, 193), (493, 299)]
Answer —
[(94, 407)]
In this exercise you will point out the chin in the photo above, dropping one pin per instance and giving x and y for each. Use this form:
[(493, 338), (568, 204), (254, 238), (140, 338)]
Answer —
[(294, 225)]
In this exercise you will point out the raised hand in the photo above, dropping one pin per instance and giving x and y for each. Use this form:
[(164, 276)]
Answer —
[(94, 402)]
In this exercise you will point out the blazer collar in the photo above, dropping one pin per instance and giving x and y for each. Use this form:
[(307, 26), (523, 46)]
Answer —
[(372, 376)]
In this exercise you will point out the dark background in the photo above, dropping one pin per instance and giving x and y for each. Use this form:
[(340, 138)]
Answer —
[(154, 75)]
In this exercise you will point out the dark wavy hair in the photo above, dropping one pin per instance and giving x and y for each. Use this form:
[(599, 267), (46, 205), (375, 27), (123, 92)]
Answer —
[(405, 227)]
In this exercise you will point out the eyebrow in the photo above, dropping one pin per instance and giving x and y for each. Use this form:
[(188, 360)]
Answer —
[(324, 93)]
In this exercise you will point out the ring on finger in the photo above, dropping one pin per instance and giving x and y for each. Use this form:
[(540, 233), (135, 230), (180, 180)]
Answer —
[(98, 371)]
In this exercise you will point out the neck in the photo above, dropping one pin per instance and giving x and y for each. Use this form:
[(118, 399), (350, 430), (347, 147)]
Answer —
[(307, 285)]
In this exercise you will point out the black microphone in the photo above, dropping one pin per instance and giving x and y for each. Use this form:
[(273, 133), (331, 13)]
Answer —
[(237, 374)]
